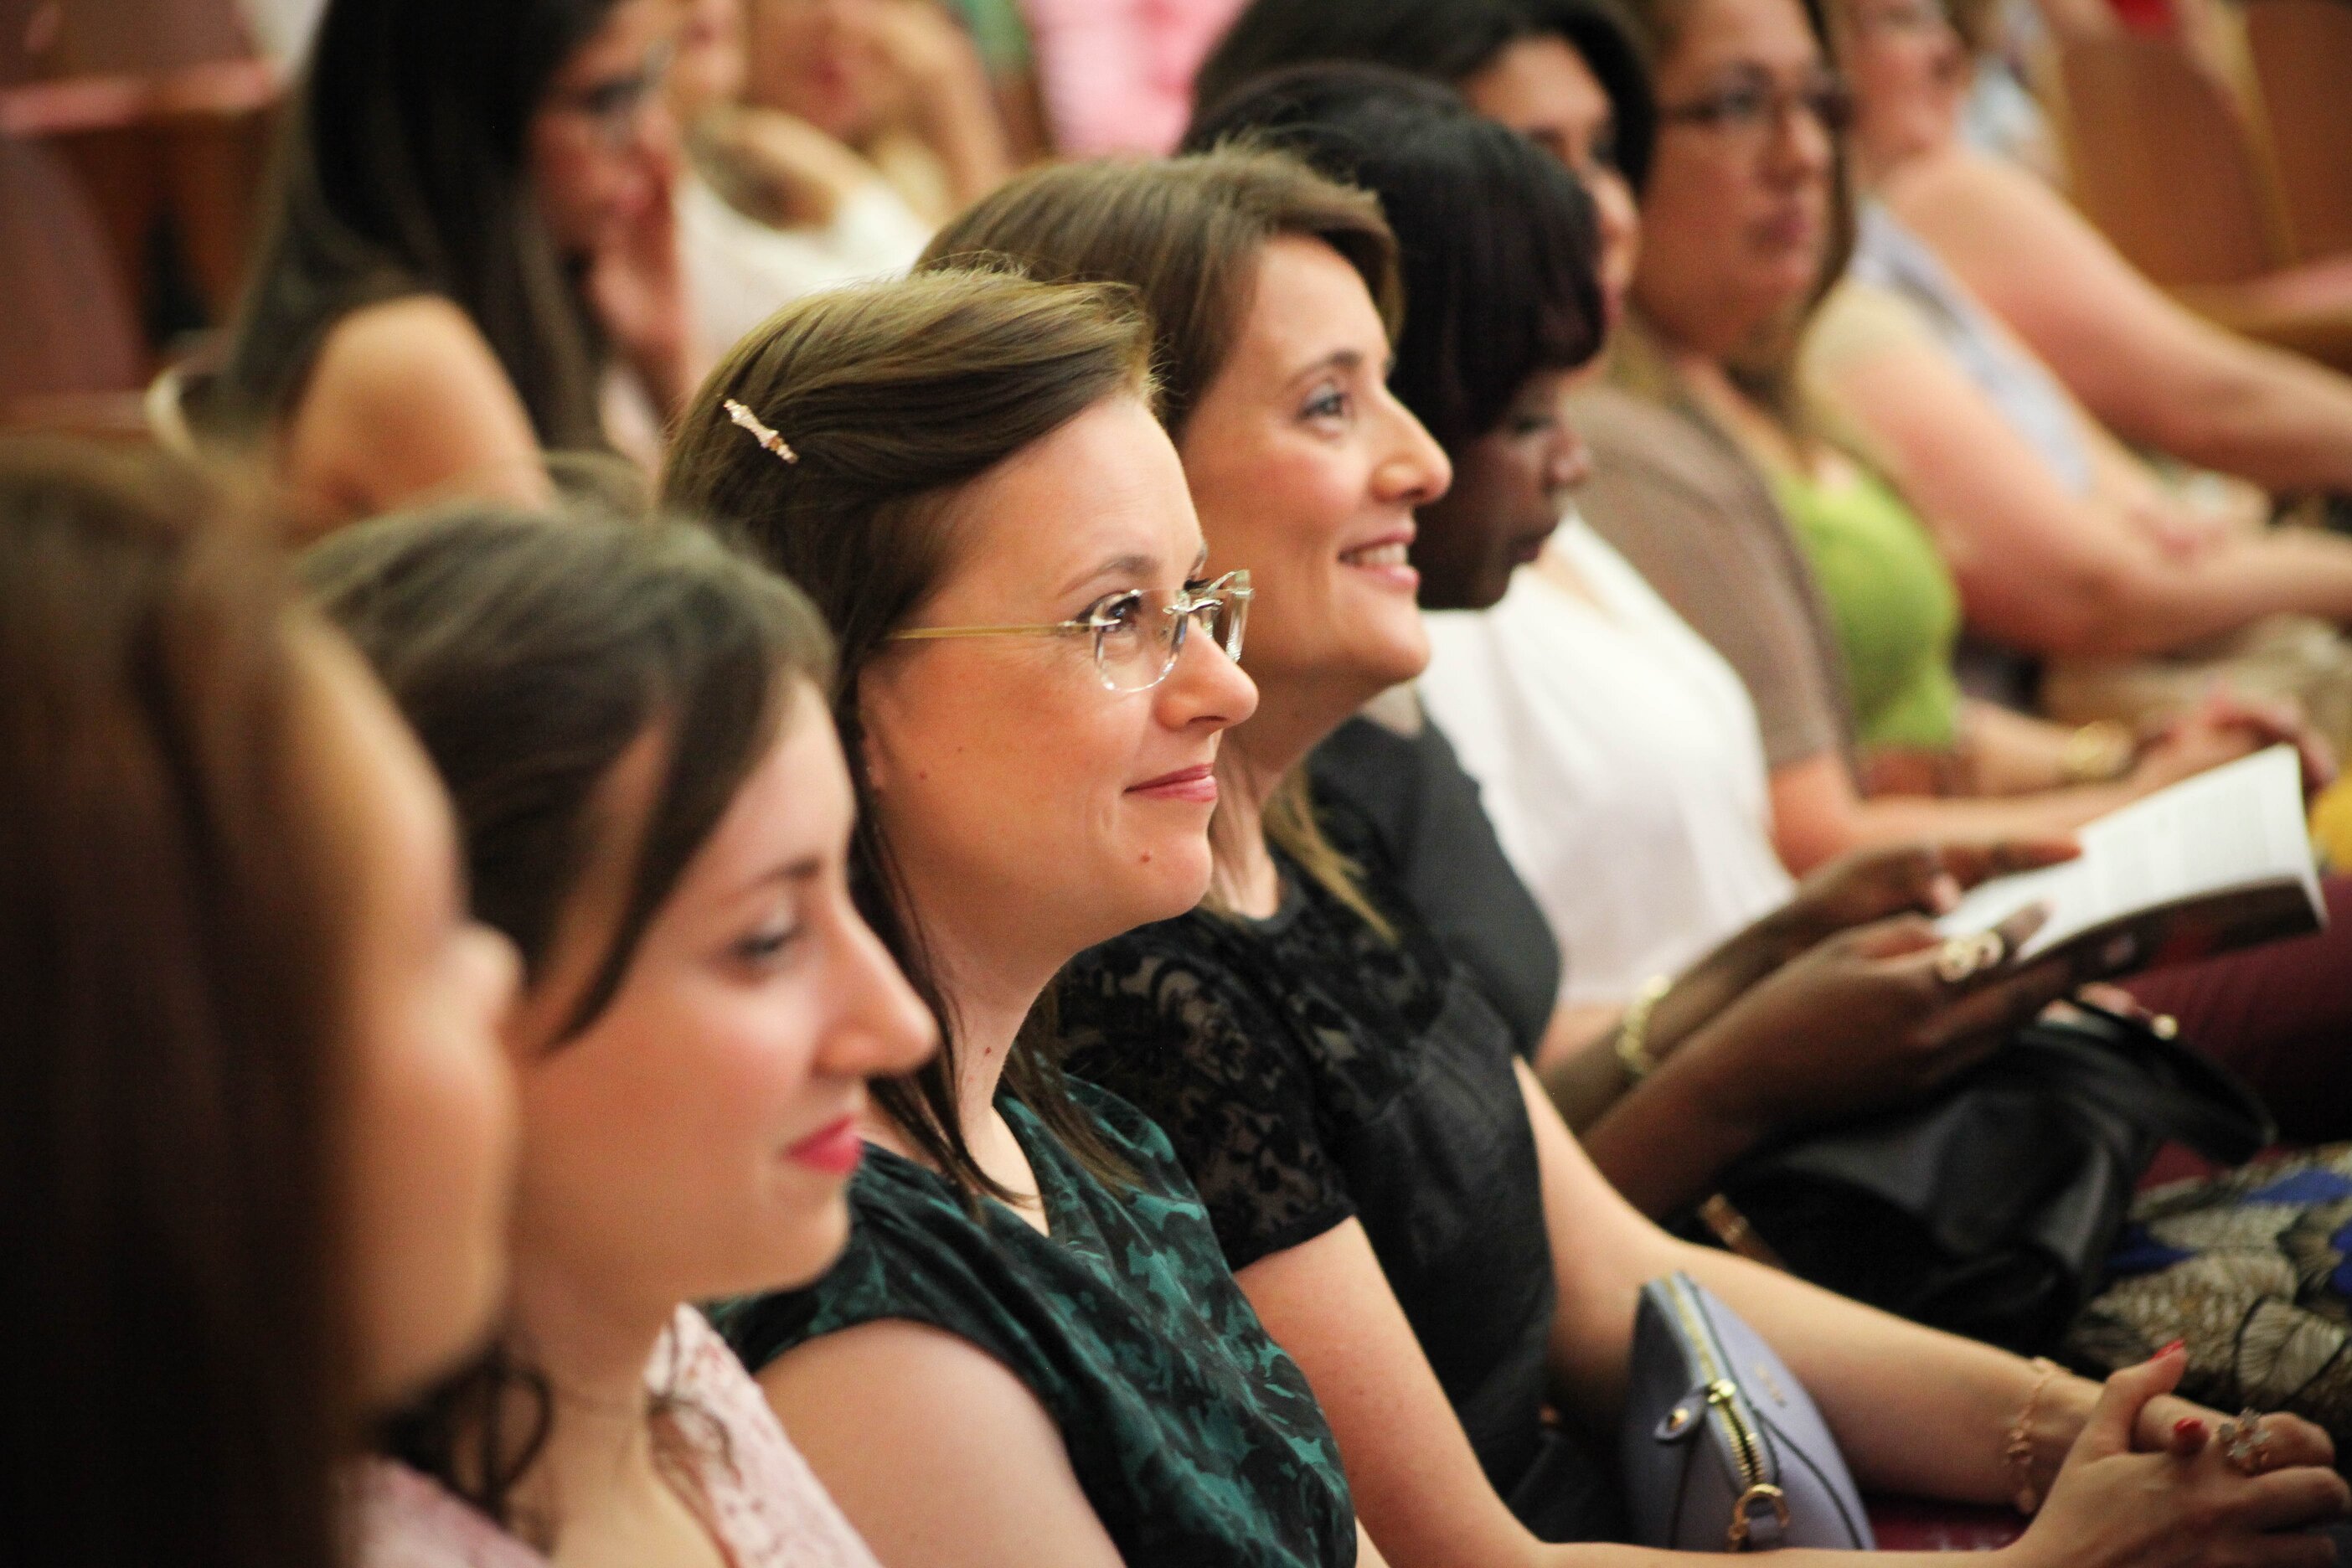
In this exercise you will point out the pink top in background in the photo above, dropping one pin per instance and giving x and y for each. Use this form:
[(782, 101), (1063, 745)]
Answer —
[(765, 1507), (1117, 74)]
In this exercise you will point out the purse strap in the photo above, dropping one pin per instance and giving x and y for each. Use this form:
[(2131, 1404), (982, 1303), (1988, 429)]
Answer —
[(2173, 1091)]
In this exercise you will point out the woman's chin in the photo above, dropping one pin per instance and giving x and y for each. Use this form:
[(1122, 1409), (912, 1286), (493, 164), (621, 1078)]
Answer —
[(1170, 877), (813, 1244), (1397, 658)]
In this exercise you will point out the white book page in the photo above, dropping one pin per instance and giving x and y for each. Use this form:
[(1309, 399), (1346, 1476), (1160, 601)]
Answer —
[(2238, 826)]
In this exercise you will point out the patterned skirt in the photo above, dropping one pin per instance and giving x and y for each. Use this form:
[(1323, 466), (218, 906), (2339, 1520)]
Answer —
[(2254, 1271)]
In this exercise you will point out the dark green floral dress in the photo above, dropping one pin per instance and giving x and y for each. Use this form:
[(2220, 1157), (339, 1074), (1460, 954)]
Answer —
[(1193, 1435)]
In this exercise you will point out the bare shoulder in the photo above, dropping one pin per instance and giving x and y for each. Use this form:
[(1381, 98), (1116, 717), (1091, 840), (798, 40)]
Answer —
[(935, 1450), (399, 353), (407, 397), (1926, 189)]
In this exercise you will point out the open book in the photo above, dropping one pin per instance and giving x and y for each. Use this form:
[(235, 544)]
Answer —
[(2217, 861)]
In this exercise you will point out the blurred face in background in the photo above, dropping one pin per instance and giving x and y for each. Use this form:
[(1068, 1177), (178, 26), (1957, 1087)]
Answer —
[(1736, 220), (1910, 73), (1541, 88), (1511, 486), (708, 71), (431, 1142), (602, 146), (821, 61)]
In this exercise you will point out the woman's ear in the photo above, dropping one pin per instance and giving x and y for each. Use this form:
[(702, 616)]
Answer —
[(874, 706)]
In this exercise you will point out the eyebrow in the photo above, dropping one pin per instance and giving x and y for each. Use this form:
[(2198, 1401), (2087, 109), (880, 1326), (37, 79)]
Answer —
[(1350, 359), (1337, 359), (1129, 565), (808, 868)]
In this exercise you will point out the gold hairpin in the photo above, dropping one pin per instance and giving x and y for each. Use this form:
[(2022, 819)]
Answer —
[(760, 433)]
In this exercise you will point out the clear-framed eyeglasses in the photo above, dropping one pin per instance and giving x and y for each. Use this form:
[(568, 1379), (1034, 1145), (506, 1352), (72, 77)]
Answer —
[(1137, 633)]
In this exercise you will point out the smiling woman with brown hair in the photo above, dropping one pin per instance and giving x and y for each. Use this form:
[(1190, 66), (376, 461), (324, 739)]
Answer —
[(1034, 1354), (653, 807)]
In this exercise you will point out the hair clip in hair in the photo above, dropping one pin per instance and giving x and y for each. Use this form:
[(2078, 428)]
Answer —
[(760, 433)]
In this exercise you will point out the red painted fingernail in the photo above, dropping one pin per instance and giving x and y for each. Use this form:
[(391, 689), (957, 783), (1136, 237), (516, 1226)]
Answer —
[(2188, 1427), (2175, 1348)]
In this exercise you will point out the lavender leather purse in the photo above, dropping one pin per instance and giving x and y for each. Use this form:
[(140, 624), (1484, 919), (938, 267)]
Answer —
[(1722, 1448)]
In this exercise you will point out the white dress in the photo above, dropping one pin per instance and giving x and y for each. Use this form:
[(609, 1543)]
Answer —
[(761, 1502), (1618, 757)]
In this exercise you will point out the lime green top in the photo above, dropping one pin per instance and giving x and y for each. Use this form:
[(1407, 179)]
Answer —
[(1893, 601)]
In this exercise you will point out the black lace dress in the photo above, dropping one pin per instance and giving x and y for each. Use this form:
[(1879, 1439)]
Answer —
[(1310, 1070)]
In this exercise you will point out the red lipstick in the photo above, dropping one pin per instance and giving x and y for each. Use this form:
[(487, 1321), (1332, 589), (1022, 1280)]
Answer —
[(835, 1148)]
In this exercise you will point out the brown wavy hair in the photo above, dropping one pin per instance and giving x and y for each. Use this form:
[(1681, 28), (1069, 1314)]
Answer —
[(172, 974), (894, 397)]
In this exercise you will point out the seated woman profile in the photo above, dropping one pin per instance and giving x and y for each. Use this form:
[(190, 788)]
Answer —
[(666, 847), (2147, 367), (2063, 543), (1033, 1352), (471, 228)]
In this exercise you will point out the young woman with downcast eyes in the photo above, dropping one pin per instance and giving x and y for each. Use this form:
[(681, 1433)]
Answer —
[(654, 808), (1034, 1352), (1310, 1048)]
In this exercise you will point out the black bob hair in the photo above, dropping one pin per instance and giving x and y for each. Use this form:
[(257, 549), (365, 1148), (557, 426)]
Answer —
[(1443, 40), (1496, 240)]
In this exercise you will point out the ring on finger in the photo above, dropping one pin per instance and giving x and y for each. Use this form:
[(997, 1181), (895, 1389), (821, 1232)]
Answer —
[(2246, 1442), (1962, 957)]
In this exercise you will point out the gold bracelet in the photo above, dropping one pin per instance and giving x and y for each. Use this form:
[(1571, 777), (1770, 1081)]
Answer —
[(2100, 750), (1632, 1051), (2017, 1455)]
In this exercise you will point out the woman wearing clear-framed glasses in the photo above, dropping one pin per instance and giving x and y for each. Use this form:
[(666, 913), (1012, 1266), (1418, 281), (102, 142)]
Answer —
[(1032, 1354)]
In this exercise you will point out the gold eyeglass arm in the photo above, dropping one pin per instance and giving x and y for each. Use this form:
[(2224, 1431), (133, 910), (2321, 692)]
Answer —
[(1050, 628)]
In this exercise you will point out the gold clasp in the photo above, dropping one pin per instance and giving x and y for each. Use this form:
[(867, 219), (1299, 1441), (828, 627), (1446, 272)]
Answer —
[(1760, 1492)]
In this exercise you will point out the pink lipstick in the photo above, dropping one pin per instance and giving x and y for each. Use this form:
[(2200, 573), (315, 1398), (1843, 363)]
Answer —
[(1193, 784)]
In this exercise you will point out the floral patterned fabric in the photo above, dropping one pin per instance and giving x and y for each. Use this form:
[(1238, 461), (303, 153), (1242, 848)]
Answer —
[(1194, 1436), (762, 1504), (2252, 1268)]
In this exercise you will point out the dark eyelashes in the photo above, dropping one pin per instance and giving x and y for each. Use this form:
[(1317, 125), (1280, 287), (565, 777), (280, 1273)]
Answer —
[(766, 945)]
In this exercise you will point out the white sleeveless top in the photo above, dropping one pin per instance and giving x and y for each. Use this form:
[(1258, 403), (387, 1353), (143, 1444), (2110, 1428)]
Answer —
[(1618, 757)]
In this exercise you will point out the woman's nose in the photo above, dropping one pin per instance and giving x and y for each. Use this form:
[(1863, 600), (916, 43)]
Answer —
[(884, 1028), (1206, 688), (1571, 462), (1416, 470)]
